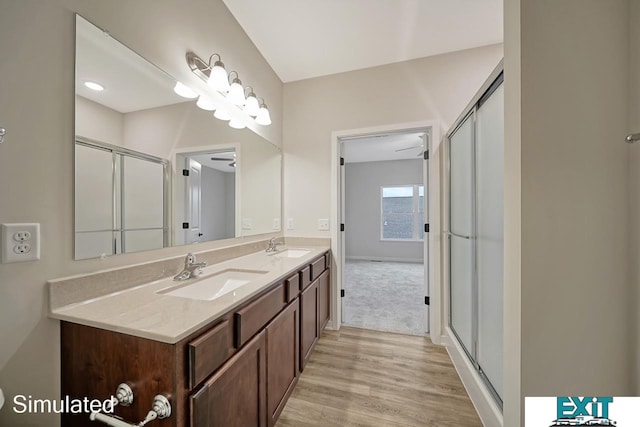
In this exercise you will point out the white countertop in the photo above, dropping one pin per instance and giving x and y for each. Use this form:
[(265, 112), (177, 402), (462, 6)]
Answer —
[(142, 311)]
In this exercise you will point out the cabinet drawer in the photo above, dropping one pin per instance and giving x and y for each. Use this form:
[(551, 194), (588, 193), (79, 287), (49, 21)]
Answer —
[(253, 317), (292, 287), (209, 351), (305, 277), (317, 267)]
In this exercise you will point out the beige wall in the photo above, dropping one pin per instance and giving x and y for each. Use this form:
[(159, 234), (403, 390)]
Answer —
[(568, 139), (512, 411), (97, 122), (36, 107), (431, 88), (634, 181)]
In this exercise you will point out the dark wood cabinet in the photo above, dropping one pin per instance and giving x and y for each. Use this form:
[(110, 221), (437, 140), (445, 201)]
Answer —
[(236, 395), (309, 332), (315, 303), (324, 300), (283, 367), (239, 370)]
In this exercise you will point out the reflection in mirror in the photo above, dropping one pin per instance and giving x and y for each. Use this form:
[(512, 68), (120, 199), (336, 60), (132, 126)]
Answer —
[(152, 169), (209, 186)]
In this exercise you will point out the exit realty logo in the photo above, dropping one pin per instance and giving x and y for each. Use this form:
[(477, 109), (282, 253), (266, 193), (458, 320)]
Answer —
[(581, 411)]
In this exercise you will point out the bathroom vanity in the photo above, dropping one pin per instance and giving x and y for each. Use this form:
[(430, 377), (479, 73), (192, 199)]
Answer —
[(228, 360)]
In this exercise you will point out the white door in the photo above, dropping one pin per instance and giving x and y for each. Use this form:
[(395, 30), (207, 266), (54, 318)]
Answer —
[(425, 224), (341, 221), (194, 201)]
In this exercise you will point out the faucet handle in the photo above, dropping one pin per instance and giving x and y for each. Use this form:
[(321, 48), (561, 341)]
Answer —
[(190, 259)]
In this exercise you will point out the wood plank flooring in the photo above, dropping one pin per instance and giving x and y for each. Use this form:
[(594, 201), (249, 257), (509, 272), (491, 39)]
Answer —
[(359, 377)]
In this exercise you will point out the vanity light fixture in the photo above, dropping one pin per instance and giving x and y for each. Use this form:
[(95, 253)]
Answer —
[(184, 91), (94, 86), (251, 107), (217, 78), (206, 103), (222, 114), (236, 91), (263, 117)]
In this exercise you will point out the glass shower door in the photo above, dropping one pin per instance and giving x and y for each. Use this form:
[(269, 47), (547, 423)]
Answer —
[(489, 241), (460, 232), (476, 222)]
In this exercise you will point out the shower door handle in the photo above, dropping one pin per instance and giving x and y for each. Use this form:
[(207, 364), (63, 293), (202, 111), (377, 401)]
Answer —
[(449, 233)]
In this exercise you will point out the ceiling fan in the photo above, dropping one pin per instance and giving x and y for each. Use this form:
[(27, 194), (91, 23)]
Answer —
[(225, 159), (419, 146)]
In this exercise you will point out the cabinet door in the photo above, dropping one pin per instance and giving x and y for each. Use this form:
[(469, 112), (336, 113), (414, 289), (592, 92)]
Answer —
[(308, 322), (324, 300), (237, 394), (283, 355)]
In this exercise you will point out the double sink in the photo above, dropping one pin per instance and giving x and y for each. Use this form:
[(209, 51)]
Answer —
[(221, 283)]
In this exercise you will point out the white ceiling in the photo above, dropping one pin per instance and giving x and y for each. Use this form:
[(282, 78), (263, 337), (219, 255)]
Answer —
[(130, 82), (394, 146), (302, 39)]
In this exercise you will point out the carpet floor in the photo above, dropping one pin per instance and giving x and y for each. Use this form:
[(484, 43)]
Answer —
[(385, 296)]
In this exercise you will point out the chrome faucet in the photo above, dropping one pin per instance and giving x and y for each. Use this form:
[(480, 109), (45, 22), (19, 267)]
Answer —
[(273, 245), (191, 268)]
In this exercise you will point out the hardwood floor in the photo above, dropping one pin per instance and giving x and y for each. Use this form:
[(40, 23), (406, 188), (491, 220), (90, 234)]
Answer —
[(359, 377)]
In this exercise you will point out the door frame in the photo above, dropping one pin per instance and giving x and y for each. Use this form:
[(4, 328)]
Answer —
[(432, 252)]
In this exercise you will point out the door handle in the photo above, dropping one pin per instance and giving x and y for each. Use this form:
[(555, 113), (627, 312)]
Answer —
[(200, 234), (458, 235)]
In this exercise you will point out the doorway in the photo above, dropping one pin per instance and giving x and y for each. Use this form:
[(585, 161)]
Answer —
[(206, 196), (384, 216)]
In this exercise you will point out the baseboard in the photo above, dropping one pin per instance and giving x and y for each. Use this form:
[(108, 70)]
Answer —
[(383, 259), (330, 326), (489, 413)]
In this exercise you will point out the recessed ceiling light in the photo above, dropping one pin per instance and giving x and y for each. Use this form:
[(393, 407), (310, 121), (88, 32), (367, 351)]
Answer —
[(94, 86)]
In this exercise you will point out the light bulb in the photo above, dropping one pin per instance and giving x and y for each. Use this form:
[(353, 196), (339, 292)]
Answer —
[(218, 78), (236, 92), (222, 114), (184, 91), (251, 107), (206, 103), (94, 86), (263, 117), (237, 124)]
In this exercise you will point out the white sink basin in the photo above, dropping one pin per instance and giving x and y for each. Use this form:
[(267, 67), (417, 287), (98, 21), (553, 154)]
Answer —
[(215, 286), (292, 253)]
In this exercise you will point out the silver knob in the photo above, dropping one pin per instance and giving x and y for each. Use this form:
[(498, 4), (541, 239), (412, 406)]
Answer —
[(161, 406), (124, 394), (3, 132)]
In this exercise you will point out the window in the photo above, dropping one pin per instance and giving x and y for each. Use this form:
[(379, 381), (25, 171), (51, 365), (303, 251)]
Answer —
[(402, 212)]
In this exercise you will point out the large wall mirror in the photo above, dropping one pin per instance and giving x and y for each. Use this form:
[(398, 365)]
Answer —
[(153, 170)]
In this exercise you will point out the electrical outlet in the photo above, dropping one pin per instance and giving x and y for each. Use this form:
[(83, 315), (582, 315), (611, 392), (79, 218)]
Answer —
[(290, 224), (323, 224), (22, 236), (20, 242), (276, 223), (247, 224), (22, 248)]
